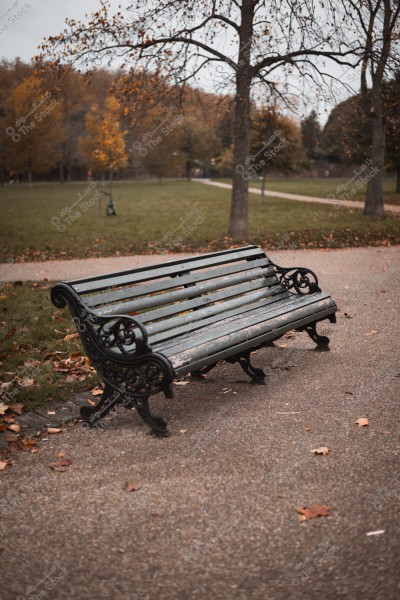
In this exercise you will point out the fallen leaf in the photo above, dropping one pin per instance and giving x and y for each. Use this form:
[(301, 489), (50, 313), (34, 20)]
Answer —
[(4, 464), (378, 532), (61, 465), (3, 408), (132, 486), (372, 332), (15, 428), (34, 450), (3, 427), (51, 412), (53, 430), (183, 430), (10, 437), (26, 382), (29, 442), (308, 429), (61, 455), (97, 391), (323, 450), (70, 336), (17, 408), (315, 510), (181, 382), (363, 422)]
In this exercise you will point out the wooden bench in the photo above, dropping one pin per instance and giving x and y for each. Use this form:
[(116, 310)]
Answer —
[(145, 327)]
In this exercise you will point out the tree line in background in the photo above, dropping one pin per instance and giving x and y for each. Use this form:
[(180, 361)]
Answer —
[(83, 127)]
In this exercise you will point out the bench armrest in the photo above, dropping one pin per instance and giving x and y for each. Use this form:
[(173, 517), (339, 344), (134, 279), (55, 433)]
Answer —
[(111, 333), (299, 279)]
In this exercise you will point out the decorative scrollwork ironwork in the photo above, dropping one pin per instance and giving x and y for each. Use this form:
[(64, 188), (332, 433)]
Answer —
[(303, 281), (117, 347)]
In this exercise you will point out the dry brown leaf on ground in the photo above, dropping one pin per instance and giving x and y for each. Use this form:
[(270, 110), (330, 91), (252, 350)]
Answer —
[(313, 511), (4, 464), (53, 430), (183, 430), (26, 382), (97, 391), (322, 450), (70, 336), (11, 437), (61, 455), (16, 428), (363, 422), (3, 408), (17, 408), (181, 382), (132, 486), (61, 465)]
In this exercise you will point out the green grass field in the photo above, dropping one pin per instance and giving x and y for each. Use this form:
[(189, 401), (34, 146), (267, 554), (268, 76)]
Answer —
[(147, 211), (322, 187)]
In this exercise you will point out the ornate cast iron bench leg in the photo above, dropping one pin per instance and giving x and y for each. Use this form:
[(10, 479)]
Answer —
[(322, 341), (255, 373), (158, 424), (106, 403)]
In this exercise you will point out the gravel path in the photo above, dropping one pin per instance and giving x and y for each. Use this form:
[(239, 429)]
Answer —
[(338, 202), (215, 517)]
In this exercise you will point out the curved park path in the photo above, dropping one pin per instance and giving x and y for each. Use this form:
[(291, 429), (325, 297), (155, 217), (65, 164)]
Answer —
[(347, 203), (214, 511)]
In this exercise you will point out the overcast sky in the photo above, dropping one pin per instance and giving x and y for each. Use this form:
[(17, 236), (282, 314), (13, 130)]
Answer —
[(20, 35)]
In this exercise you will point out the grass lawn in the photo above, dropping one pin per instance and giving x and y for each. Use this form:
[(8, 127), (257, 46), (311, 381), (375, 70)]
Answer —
[(39, 364), (147, 211), (321, 187)]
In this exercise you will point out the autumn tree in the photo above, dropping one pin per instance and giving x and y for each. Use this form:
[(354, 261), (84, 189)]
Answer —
[(311, 135), (345, 138), (378, 27), (198, 144), (276, 146), (265, 43), (34, 128), (103, 146)]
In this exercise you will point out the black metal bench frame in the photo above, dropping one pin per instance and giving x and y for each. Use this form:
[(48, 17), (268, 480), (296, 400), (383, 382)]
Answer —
[(118, 344)]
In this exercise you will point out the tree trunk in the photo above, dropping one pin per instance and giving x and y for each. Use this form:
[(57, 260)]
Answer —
[(30, 173), (398, 180), (238, 223)]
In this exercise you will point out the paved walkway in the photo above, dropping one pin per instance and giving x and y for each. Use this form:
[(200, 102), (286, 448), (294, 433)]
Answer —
[(347, 203), (215, 516), (64, 270)]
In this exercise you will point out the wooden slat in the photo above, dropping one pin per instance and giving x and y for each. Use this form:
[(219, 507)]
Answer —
[(210, 309), (232, 327), (116, 295), (93, 284), (236, 284), (193, 326), (189, 365)]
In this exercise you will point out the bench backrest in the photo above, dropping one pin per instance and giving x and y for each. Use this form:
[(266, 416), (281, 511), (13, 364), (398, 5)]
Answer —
[(171, 298)]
